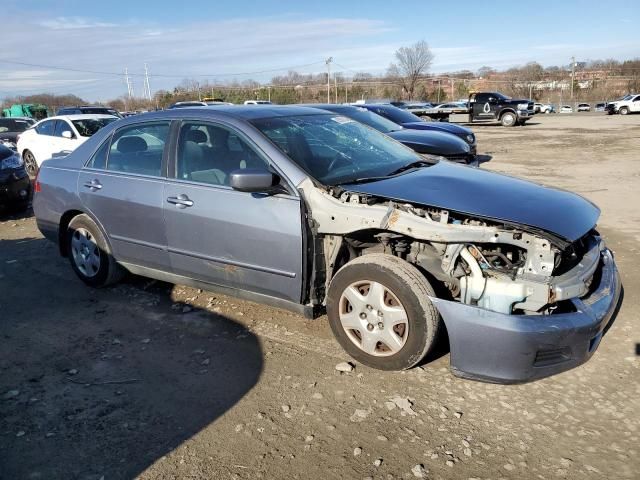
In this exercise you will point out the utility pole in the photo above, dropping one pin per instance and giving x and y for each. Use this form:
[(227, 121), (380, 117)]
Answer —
[(439, 88), (269, 92), (129, 83), (335, 86), (328, 62), (452, 95), (573, 74), (147, 87)]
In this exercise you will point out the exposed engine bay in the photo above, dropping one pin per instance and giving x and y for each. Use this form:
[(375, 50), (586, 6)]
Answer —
[(505, 268)]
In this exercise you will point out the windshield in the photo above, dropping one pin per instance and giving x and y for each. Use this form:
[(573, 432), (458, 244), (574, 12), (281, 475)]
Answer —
[(14, 125), (335, 149), (367, 117), (88, 126), (398, 115)]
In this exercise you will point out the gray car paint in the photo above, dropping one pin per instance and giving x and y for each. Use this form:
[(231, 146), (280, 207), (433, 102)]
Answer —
[(234, 255)]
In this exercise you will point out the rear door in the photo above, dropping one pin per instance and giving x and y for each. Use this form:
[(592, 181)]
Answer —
[(122, 186), (44, 143), (222, 236)]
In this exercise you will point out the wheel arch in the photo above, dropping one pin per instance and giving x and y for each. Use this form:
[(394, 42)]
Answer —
[(65, 220)]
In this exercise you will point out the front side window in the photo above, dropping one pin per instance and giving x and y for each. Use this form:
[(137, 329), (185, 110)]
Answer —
[(62, 126), (335, 149), (46, 128), (99, 159), (208, 153), (138, 149)]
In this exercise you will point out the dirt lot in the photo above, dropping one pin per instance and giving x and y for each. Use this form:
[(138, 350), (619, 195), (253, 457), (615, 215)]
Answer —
[(158, 381)]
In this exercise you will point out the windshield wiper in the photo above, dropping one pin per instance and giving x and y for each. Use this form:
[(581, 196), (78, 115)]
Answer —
[(404, 168), (410, 166)]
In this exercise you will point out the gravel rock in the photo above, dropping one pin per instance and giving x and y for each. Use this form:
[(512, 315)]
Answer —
[(345, 367), (317, 396), (377, 462), (206, 361), (357, 451), (309, 438), (20, 433), (73, 371), (404, 404), (359, 415), (145, 340), (285, 408), (509, 467), (419, 471), (467, 452), (449, 463)]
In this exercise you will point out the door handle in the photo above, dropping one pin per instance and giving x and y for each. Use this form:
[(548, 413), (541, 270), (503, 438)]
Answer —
[(181, 201), (93, 185)]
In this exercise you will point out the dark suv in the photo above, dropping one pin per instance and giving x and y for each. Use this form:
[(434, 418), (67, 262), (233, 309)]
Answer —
[(96, 110)]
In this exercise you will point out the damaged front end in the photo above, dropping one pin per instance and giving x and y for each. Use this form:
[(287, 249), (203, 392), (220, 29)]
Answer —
[(519, 303)]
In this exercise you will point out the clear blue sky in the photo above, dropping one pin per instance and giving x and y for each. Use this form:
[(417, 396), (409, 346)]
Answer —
[(219, 39)]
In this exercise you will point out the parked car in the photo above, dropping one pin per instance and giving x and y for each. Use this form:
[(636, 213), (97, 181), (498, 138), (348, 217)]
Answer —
[(421, 141), (15, 185), (600, 107), (543, 108), (11, 128), (628, 104), (88, 110), (566, 109), (257, 102), (58, 135), (494, 106), (584, 107), (412, 122), (308, 210), (197, 103)]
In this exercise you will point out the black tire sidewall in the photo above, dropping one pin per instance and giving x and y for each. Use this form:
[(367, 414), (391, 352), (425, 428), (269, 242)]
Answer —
[(418, 325), (83, 221)]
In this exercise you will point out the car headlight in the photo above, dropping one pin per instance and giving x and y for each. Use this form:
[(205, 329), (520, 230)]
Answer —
[(14, 161), (471, 138), (523, 106)]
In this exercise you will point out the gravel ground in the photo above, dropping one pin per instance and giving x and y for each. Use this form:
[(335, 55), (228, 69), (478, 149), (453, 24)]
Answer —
[(157, 381)]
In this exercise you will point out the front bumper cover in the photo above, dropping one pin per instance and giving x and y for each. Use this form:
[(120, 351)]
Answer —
[(500, 348), (15, 187)]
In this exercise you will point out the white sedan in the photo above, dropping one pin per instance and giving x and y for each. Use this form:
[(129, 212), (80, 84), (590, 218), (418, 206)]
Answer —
[(57, 135), (566, 109)]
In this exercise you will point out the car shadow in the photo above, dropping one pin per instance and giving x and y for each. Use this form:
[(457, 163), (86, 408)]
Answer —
[(103, 383)]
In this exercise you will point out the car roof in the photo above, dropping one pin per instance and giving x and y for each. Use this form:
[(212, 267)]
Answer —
[(241, 112), (79, 116)]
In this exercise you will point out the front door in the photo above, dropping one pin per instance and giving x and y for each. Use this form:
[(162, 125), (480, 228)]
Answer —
[(65, 142), (225, 237), (122, 186)]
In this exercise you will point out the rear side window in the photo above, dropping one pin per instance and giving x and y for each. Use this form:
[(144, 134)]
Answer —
[(138, 149), (99, 159), (46, 128)]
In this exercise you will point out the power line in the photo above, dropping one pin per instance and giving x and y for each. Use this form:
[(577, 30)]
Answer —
[(97, 72)]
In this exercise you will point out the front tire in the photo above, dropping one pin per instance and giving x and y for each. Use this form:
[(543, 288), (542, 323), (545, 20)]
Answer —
[(509, 119), (89, 253), (30, 163), (379, 311), (623, 111)]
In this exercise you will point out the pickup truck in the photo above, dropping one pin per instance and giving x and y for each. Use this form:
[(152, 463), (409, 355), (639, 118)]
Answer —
[(494, 106), (627, 104)]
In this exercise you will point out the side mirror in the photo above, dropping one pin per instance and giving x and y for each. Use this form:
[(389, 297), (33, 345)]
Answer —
[(254, 180), (67, 134)]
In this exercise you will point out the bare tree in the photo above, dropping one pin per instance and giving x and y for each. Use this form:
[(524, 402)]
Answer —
[(412, 63)]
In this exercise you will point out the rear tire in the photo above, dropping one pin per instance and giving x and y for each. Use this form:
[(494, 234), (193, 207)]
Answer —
[(508, 119), (30, 163), (89, 253), (379, 311)]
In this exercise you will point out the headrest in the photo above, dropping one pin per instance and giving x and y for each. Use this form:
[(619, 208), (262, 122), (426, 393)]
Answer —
[(197, 136), (132, 145)]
